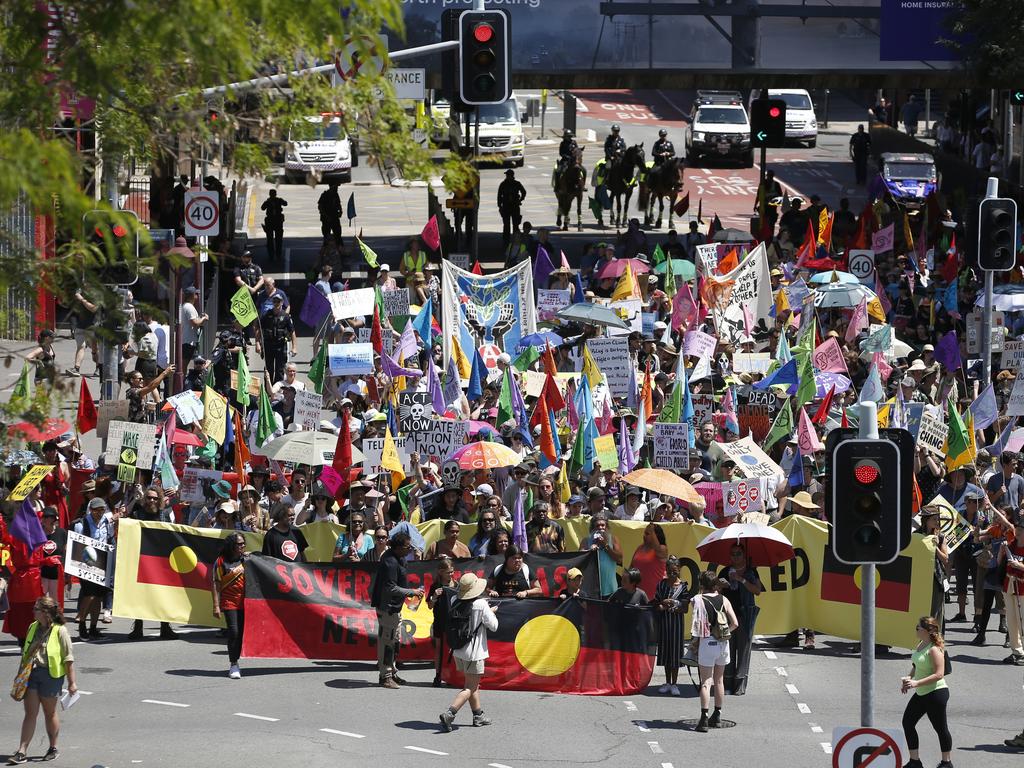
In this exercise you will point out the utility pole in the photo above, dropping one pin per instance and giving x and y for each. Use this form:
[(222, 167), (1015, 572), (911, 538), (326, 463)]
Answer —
[(868, 430)]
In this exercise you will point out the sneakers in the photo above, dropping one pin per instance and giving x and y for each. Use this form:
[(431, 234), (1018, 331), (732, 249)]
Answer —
[(664, 688), (913, 763), (481, 720), (944, 764), (389, 683), (17, 758), (674, 690), (1017, 741), (51, 754), (715, 720), (809, 642), (960, 617), (702, 724), (979, 640), (398, 680), (106, 618), (235, 673), (1017, 661), (446, 718)]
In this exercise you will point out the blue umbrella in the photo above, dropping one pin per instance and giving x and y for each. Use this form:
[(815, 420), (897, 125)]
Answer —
[(539, 339), (823, 278)]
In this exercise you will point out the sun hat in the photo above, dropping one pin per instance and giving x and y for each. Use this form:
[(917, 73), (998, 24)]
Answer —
[(471, 586)]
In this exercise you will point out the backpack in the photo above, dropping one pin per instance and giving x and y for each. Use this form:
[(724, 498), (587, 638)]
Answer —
[(460, 632), (718, 619)]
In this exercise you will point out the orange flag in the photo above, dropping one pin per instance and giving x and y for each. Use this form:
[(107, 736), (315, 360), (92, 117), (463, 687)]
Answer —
[(729, 263), (647, 396), (242, 454)]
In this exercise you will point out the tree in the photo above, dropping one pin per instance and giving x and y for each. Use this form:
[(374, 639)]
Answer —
[(987, 34)]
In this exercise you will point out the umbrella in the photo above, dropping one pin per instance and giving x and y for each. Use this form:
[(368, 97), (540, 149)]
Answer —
[(1005, 298), (765, 546), (305, 447), (21, 458), (48, 430), (594, 314), (732, 235), (184, 437), (898, 349), (539, 339), (663, 481), (835, 276), (841, 295), (476, 427), (485, 455), (616, 267), (680, 268)]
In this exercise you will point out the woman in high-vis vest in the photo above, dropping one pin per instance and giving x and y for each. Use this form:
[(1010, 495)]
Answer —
[(48, 647)]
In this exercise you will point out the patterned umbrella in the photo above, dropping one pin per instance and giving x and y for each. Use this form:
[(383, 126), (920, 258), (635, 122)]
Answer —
[(765, 546), (485, 455)]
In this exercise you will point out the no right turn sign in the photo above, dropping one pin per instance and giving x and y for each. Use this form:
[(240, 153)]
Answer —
[(868, 748)]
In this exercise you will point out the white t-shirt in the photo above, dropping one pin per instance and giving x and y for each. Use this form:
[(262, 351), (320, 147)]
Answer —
[(189, 333), (639, 514)]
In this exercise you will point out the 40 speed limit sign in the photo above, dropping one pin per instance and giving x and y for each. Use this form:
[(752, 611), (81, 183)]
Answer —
[(202, 214)]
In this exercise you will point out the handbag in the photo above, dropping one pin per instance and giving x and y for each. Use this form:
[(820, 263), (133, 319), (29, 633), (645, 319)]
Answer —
[(984, 557), (689, 657), (20, 684), (946, 663)]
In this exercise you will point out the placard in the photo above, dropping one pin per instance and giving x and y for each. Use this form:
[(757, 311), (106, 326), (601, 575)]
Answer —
[(606, 452), (195, 485), (254, 384), (932, 434), (415, 410), (189, 406), (145, 440), (86, 558), (32, 477), (703, 408), (549, 301), (373, 449), (647, 320), (630, 311), (751, 362), (396, 302), (750, 460), (356, 302), (699, 344), (1013, 354), (743, 496), (350, 359), (127, 457), (460, 260), (108, 411), (444, 437), (707, 257), (363, 336), (308, 406), (672, 446), (914, 411), (613, 358)]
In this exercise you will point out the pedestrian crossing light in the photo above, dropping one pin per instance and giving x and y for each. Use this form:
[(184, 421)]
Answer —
[(1016, 97), (114, 236), (997, 229), (768, 123), (866, 501), (484, 67)]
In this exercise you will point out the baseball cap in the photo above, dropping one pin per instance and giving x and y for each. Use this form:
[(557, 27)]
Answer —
[(574, 573), (596, 493), (384, 268), (97, 503), (576, 499)]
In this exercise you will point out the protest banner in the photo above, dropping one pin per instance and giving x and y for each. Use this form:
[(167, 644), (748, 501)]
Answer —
[(932, 434), (357, 302), (612, 357), (415, 410), (308, 406), (195, 485), (144, 439), (751, 362), (549, 301), (187, 405), (606, 452), (672, 446), (108, 411), (630, 311), (1013, 354), (750, 289), (254, 384), (743, 496), (707, 258), (440, 440), (750, 460), (87, 558), (396, 302), (373, 450), (703, 408), (350, 359), (755, 411), (33, 476), (1015, 405), (699, 344)]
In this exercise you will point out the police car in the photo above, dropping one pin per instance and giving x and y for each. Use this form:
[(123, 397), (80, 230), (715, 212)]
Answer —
[(319, 145), (909, 177), (718, 128)]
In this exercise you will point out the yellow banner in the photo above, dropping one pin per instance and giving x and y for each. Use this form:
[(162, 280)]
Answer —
[(29, 481)]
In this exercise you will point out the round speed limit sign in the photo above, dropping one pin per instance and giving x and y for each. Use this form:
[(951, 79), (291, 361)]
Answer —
[(202, 214)]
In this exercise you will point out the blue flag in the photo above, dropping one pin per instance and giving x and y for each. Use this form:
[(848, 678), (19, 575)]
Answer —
[(985, 409), (796, 472), (350, 211), (477, 377), (422, 323), (786, 375), (315, 308), (578, 283)]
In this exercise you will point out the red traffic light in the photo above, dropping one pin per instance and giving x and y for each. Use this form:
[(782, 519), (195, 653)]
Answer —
[(866, 472), (117, 229), (774, 112), (483, 33)]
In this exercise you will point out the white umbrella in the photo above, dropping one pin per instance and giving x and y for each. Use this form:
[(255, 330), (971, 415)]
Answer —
[(306, 447), (841, 295)]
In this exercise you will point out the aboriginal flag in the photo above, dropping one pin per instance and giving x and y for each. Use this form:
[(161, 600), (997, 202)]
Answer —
[(840, 582), (177, 559), (568, 646)]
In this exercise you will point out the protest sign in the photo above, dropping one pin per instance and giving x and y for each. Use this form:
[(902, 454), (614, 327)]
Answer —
[(414, 411), (86, 558), (127, 457), (751, 362), (703, 408), (914, 413), (612, 357), (363, 336), (699, 344), (549, 301), (350, 359), (254, 384), (672, 446), (750, 292), (932, 434), (647, 320), (750, 460), (460, 260), (1015, 405), (144, 439), (195, 485), (440, 440), (606, 452), (396, 302), (308, 406), (755, 411), (373, 450), (108, 411), (356, 302), (707, 257), (630, 311), (743, 496), (187, 405), (32, 477), (1013, 354)]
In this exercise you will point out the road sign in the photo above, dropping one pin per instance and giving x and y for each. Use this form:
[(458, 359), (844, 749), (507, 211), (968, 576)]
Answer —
[(202, 214), (408, 84), (868, 747), (362, 53), (862, 266), (1017, 96)]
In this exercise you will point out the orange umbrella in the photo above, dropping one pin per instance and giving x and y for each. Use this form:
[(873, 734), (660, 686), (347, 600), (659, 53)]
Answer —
[(485, 455), (48, 430), (663, 481)]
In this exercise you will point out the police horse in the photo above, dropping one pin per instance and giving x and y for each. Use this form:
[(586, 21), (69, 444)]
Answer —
[(570, 182)]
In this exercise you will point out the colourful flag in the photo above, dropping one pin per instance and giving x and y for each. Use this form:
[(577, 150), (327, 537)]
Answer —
[(242, 307), (435, 389), (390, 460), (947, 352), (590, 369), (807, 438), (670, 279), (808, 387), (318, 369), (658, 255), (26, 528), (796, 472), (858, 322), (872, 388), (626, 287), (215, 415), (958, 440), (505, 411), (431, 235), (87, 417), (242, 383), (729, 419), (547, 440), (24, 388), (542, 268), (821, 415), (782, 427), (315, 307), (985, 410), (461, 361), (477, 378), (422, 323), (787, 376), (526, 358), (267, 423), (368, 254), (350, 208)]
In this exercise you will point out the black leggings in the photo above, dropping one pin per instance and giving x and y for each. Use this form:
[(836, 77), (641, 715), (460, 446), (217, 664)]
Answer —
[(934, 705), (235, 619), (990, 597)]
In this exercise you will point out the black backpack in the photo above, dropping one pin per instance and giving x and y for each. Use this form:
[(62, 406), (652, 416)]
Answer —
[(460, 632)]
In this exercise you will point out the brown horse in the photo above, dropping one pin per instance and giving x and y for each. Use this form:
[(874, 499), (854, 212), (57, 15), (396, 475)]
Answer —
[(662, 181), (569, 183)]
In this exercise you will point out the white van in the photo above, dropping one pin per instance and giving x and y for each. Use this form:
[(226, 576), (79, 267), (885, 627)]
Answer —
[(319, 146), (501, 134), (801, 122)]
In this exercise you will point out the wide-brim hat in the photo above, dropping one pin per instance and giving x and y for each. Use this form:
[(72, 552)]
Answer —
[(803, 499), (471, 586)]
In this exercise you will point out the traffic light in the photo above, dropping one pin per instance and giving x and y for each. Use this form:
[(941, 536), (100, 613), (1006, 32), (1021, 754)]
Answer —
[(115, 235), (997, 234), (867, 514), (768, 123), (1016, 97), (484, 72)]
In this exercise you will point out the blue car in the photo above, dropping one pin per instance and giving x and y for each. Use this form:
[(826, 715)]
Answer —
[(908, 178)]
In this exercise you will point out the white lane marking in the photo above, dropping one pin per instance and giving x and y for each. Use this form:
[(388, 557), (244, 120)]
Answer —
[(427, 751), (257, 717), (165, 703), (655, 748), (498, 765), (343, 733), (86, 693), (781, 672), (804, 709), (826, 747), (770, 655), (792, 689), (817, 729), (630, 706), (666, 765), (642, 726)]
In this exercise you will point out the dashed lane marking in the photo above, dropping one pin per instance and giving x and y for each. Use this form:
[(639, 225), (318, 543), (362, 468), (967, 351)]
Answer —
[(771, 655), (498, 765), (804, 709), (655, 748), (257, 717), (165, 703), (781, 672), (792, 689), (817, 729), (426, 751), (826, 747), (630, 706), (343, 733)]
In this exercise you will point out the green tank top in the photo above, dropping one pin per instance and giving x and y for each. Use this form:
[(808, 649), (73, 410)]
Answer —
[(923, 667)]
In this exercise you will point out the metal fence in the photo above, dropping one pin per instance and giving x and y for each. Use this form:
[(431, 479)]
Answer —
[(17, 305)]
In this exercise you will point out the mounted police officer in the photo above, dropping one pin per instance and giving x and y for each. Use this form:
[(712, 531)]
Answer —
[(278, 331), (614, 144), (662, 149), (567, 150)]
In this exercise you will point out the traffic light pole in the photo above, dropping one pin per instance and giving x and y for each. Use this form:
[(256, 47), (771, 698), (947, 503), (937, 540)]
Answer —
[(992, 190), (868, 430)]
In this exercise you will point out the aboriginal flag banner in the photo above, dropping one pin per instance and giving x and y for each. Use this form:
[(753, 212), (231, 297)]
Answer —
[(568, 646), (323, 611)]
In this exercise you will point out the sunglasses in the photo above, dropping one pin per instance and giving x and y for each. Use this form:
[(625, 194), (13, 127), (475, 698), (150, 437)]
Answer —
[(381, 538), (152, 498), (487, 519), (356, 522)]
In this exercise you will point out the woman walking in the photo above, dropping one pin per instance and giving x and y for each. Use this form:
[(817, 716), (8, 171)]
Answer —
[(48, 650), (742, 587), (713, 622), (472, 609), (670, 598), (931, 694), (229, 596)]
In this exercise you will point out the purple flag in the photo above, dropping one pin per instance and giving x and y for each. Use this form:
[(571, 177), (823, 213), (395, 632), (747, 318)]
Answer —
[(542, 268), (947, 352), (315, 308), (26, 528), (627, 461), (519, 524), (434, 387), (393, 370)]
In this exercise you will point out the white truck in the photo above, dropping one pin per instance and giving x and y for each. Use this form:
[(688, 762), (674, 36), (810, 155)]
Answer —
[(321, 147)]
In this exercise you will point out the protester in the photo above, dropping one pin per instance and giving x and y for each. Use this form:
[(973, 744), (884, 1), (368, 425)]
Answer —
[(742, 586), (512, 578), (388, 593), (441, 594), (713, 623), (573, 585), (472, 613), (630, 593), (609, 553), (449, 546), (927, 680), (486, 525), (56, 546), (284, 541), (670, 598), (650, 558), (97, 523), (228, 588)]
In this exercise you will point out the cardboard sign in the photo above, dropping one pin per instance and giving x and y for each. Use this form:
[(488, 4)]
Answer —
[(189, 406), (750, 460), (606, 452), (755, 411), (373, 450), (415, 410), (396, 303), (743, 496), (707, 257), (699, 344), (195, 485), (144, 440), (363, 336), (549, 301), (751, 362), (350, 359), (648, 319), (932, 434), (1013, 354), (33, 477), (672, 446), (352, 303), (630, 311), (127, 457), (441, 440), (308, 406), (254, 384), (108, 411), (703, 408), (87, 558), (612, 357)]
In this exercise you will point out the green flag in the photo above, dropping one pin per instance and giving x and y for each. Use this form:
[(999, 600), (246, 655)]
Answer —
[(24, 389), (807, 388), (782, 427), (529, 356), (242, 385), (318, 369), (672, 412), (242, 307), (670, 277), (805, 339), (576, 458), (958, 441), (505, 411), (267, 424), (658, 256), (368, 254), (209, 380)]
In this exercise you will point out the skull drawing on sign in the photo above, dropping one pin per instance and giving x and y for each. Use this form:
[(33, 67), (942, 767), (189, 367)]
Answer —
[(416, 410)]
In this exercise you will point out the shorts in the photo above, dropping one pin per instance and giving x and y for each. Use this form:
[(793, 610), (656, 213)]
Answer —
[(92, 589), (713, 653), (47, 687), (83, 336), (469, 667)]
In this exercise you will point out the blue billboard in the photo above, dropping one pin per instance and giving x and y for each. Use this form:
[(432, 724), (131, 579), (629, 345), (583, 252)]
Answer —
[(912, 30)]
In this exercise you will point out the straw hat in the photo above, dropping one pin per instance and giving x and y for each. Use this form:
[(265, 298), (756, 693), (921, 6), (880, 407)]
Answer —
[(803, 499), (471, 586)]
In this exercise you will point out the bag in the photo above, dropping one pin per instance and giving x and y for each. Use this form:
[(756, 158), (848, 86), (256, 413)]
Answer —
[(719, 620), (689, 657), (21, 680), (947, 664), (460, 632), (984, 557)]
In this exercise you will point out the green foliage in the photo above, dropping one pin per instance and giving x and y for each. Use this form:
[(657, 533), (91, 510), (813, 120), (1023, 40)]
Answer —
[(988, 35)]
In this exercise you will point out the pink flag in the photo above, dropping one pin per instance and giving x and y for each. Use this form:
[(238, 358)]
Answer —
[(858, 322), (807, 438), (684, 310), (565, 261), (604, 422), (828, 356), (882, 240), (882, 297), (430, 234), (748, 321), (884, 369)]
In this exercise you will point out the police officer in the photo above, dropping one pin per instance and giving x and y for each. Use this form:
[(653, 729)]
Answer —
[(278, 330), (614, 144), (662, 149), (225, 357), (511, 194), (329, 206), (273, 224), (196, 375), (249, 274), (860, 151), (567, 150)]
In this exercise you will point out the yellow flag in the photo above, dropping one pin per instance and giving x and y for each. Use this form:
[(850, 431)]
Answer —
[(875, 310), (590, 369), (822, 226), (563, 484), (242, 306), (627, 287), (461, 361), (883, 414), (390, 460), (215, 415), (781, 302)]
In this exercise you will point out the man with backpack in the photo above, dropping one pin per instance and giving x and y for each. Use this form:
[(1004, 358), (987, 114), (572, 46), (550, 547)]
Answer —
[(387, 594), (470, 618)]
